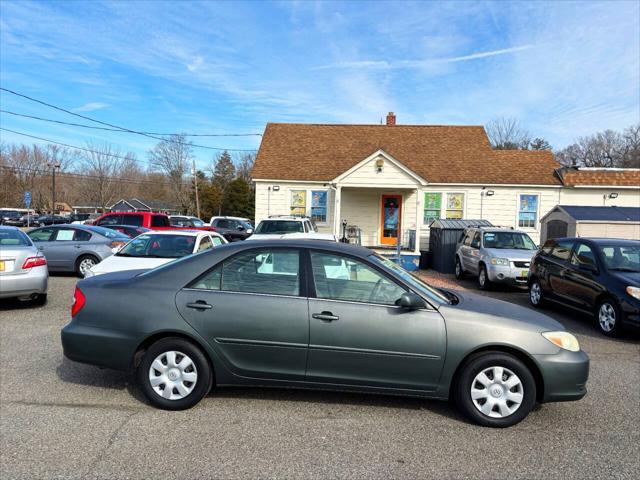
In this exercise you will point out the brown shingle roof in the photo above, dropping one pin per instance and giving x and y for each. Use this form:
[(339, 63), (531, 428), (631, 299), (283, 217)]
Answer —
[(439, 154), (617, 178)]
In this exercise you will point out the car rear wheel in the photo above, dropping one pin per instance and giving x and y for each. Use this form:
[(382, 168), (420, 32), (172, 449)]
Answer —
[(495, 389), (535, 294), (608, 316), (483, 278), (459, 270), (174, 374), (84, 264)]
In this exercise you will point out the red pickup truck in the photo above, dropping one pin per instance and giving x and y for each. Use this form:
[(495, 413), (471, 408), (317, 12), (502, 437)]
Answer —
[(153, 221)]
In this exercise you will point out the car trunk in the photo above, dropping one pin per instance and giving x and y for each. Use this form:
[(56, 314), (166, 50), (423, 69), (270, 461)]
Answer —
[(13, 257)]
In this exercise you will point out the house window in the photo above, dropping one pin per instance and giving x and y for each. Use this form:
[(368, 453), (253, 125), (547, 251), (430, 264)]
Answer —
[(528, 211), (455, 205), (319, 206), (298, 202), (432, 206)]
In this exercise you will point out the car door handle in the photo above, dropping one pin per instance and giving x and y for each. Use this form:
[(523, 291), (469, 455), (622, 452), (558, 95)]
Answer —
[(326, 316), (200, 305)]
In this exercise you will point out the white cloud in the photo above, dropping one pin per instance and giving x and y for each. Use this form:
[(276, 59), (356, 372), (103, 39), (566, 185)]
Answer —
[(91, 107)]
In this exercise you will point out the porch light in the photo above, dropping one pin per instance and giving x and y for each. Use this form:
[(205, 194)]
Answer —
[(379, 164), (490, 193), (276, 188)]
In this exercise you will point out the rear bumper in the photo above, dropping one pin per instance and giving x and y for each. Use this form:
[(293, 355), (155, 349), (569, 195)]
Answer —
[(565, 375), (24, 285), (99, 346)]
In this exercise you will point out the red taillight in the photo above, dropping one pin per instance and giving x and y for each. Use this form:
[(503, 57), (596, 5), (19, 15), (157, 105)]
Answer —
[(78, 301), (34, 262)]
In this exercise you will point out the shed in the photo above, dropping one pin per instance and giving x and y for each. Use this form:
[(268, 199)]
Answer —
[(444, 235), (585, 221)]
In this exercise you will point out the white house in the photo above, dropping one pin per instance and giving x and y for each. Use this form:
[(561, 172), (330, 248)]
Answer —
[(392, 180)]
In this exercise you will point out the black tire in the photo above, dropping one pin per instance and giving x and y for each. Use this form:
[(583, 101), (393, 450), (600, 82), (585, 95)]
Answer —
[(473, 367), (201, 367), (611, 327), (40, 299), (79, 263), (483, 278), (459, 271), (536, 294)]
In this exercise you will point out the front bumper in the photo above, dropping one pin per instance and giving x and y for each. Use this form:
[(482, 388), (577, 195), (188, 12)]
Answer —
[(508, 274), (24, 285), (99, 346), (630, 312), (564, 375)]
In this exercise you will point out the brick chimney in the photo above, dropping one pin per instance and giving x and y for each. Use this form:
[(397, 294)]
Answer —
[(391, 119)]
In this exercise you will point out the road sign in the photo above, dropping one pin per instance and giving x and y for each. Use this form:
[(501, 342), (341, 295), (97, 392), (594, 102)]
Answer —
[(27, 199)]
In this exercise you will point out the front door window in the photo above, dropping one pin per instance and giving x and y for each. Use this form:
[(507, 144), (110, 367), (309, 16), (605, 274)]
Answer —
[(391, 215)]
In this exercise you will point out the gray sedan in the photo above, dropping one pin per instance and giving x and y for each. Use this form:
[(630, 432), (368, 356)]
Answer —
[(23, 269), (294, 313), (75, 248)]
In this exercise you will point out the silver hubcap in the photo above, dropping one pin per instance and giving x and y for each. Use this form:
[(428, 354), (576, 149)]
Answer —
[(535, 293), (86, 265), (607, 317), (173, 375), (497, 392), (482, 277)]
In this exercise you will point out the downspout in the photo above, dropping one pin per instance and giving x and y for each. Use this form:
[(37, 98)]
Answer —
[(335, 205)]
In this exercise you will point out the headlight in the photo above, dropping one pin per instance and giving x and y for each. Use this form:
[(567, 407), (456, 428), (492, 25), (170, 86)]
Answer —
[(634, 292), (500, 261), (563, 340)]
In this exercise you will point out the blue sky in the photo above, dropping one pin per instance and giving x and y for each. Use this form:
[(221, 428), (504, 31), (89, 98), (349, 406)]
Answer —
[(564, 69)]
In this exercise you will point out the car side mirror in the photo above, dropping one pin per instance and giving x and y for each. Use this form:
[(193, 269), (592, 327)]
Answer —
[(410, 301)]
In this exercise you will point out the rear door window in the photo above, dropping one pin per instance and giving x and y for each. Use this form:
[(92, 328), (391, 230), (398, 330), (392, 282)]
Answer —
[(65, 235), (135, 220), (562, 250), (110, 220), (82, 236), (583, 255)]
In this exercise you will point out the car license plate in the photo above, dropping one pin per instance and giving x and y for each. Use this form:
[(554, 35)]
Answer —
[(1, 266), (524, 273)]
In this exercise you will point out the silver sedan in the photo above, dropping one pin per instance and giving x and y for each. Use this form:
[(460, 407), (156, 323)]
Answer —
[(23, 269)]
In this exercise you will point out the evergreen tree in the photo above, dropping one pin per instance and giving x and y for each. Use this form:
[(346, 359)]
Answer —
[(224, 171), (238, 199)]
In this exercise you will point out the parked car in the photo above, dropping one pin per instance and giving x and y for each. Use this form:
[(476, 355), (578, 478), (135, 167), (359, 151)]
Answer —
[(10, 217), (381, 330), (75, 248), (495, 255), (86, 218), (28, 220), (153, 249), (185, 221), (286, 226), (44, 220), (232, 228), (600, 277), (152, 221), (23, 269), (129, 230)]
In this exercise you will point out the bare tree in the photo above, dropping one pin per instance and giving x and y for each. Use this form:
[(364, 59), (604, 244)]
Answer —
[(631, 153), (173, 157), (604, 149), (507, 134), (245, 166)]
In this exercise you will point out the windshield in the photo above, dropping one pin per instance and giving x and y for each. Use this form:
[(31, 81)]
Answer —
[(502, 240), (412, 280), (621, 257), (279, 227), (246, 225), (107, 232), (13, 238), (159, 246)]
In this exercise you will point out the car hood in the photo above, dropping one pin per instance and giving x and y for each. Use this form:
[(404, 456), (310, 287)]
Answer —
[(114, 263), (630, 278), (499, 313), (293, 236), (511, 253)]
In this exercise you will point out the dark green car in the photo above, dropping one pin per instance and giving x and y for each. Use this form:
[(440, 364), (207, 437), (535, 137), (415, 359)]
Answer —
[(323, 315)]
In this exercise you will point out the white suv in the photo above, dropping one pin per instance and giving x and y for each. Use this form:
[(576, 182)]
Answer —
[(288, 226)]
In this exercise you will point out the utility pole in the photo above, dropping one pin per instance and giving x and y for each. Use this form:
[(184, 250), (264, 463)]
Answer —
[(195, 180), (53, 167)]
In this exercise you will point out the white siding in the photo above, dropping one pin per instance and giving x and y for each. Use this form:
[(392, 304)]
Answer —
[(609, 230), (597, 197), (270, 202), (367, 175)]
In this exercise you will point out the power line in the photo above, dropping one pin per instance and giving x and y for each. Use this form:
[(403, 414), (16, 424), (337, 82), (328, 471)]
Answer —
[(123, 129), (73, 146)]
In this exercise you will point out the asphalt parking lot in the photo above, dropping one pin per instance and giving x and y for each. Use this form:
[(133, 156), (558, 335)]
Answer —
[(62, 419)]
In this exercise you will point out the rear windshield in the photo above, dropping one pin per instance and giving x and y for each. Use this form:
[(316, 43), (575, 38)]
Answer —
[(107, 232), (158, 246), (278, 227), (13, 238), (516, 240)]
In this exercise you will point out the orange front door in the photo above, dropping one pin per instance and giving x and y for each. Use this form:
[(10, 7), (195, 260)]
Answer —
[(390, 219)]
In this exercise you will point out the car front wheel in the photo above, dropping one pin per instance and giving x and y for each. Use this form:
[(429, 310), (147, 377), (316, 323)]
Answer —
[(174, 374), (483, 278), (608, 316), (459, 270), (495, 389)]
